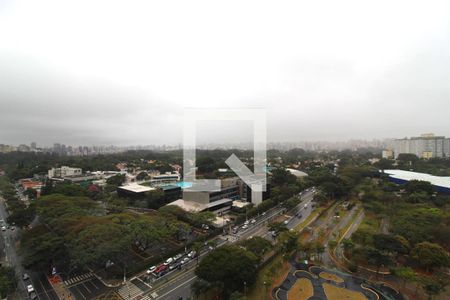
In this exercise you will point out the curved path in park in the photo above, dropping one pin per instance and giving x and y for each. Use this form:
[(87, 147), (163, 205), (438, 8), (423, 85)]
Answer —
[(334, 278)]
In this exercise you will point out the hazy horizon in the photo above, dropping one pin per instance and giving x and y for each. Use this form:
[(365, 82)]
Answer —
[(105, 72)]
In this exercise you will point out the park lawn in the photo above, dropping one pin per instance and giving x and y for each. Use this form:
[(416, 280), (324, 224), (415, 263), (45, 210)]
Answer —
[(349, 224), (313, 215), (336, 293), (302, 289), (273, 274), (330, 276)]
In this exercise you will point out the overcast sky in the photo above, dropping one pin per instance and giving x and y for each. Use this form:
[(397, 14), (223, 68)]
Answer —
[(94, 72)]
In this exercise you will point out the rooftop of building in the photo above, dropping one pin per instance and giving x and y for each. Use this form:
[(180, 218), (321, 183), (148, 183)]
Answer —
[(193, 206), (169, 187), (440, 181), (297, 172), (136, 188), (187, 205), (240, 204)]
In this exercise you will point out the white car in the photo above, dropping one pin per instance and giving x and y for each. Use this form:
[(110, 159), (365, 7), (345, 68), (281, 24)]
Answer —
[(177, 257), (253, 221), (192, 254), (3, 228), (286, 222), (151, 269), (30, 288), (246, 222), (169, 261), (184, 260), (245, 226)]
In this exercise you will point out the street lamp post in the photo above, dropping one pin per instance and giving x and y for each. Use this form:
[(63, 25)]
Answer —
[(265, 288)]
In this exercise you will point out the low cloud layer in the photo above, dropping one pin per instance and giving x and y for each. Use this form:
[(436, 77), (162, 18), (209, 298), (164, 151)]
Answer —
[(115, 73)]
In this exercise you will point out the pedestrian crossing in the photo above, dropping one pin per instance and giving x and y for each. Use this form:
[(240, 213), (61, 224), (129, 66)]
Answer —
[(78, 278), (129, 291)]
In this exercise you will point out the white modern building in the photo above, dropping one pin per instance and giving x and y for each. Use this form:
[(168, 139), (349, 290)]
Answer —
[(64, 171), (441, 183), (165, 179)]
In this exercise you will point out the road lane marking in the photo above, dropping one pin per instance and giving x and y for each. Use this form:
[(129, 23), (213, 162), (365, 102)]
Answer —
[(43, 288), (94, 284), (177, 287), (84, 285)]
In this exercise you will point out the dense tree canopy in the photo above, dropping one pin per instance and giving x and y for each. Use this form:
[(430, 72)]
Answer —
[(257, 245), (229, 267), (431, 255), (417, 224), (8, 281)]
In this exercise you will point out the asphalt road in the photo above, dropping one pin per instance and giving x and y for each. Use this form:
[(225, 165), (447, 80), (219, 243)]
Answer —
[(9, 239), (88, 288), (40, 283), (178, 286)]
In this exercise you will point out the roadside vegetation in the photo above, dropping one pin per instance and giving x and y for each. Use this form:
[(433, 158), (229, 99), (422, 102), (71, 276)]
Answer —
[(405, 230)]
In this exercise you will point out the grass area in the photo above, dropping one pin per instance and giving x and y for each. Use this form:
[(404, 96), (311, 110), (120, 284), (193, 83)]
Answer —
[(273, 275), (349, 224), (336, 293), (313, 215), (371, 221), (302, 289), (330, 276)]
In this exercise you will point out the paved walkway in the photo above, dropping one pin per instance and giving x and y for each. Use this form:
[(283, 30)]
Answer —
[(370, 290)]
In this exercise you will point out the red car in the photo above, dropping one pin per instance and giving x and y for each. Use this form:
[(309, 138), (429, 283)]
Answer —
[(160, 268)]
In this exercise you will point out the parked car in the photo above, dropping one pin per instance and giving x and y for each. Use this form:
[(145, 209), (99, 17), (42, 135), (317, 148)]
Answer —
[(178, 256), (175, 266), (245, 227), (192, 254), (30, 288), (184, 260), (246, 222), (151, 269), (253, 221), (163, 272), (286, 222), (263, 214), (3, 228), (169, 261), (160, 269)]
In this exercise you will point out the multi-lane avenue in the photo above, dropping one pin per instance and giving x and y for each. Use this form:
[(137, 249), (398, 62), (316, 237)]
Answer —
[(177, 285)]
